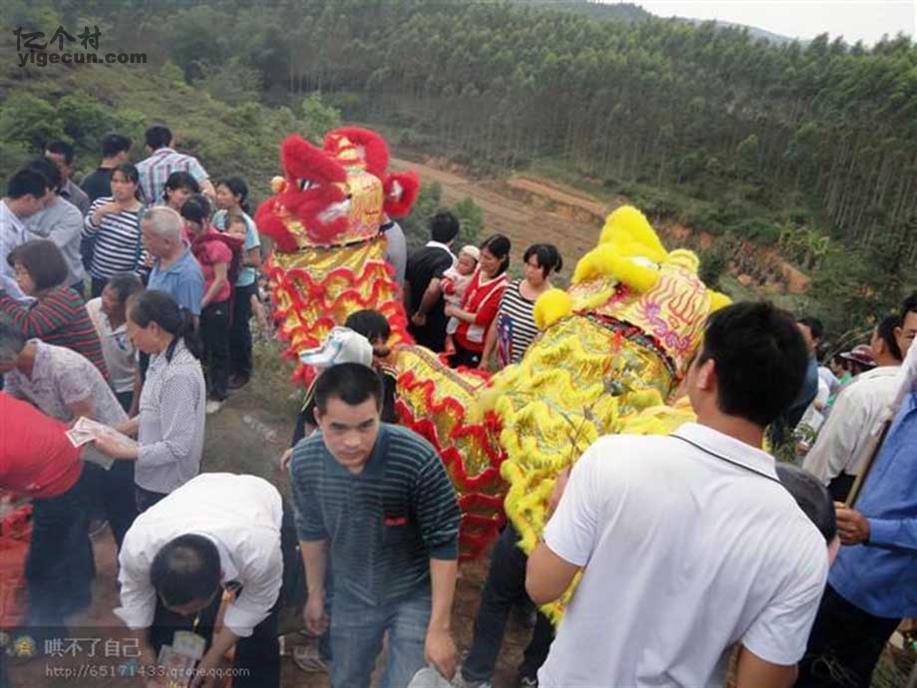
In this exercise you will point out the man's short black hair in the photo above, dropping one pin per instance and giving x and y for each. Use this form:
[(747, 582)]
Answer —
[(886, 332), (815, 326), (909, 306), (61, 148), (49, 171), (158, 137), (760, 358), (27, 183), (444, 227), (352, 383), (811, 496), (370, 323), (112, 144), (186, 569)]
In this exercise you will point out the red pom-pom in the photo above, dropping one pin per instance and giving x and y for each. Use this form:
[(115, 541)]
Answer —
[(401, 190), (302, 160), (269, 224)]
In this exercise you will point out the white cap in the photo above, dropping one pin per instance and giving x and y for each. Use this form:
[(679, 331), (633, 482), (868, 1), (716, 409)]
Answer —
[(471, 250), (342, 345)]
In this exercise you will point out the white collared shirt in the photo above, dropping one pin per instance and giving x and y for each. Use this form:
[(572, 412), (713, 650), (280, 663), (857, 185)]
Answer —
[(684, 555), (172, 421), (12, 234), (241, 514), (860, 405)]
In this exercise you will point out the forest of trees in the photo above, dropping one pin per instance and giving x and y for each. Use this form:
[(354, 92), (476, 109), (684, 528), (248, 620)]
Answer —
[(705, 125)]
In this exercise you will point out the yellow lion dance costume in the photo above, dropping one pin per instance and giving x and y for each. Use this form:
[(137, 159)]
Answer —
[(611, 352)]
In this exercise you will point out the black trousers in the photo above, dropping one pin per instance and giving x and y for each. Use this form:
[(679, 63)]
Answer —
[(215, 336), (505, 588), (147, 498), (240, 334), (464, 357), (59, 566), (845, 645), (118, 499)]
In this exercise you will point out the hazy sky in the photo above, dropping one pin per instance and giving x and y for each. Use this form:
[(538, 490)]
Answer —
[(864, 20)]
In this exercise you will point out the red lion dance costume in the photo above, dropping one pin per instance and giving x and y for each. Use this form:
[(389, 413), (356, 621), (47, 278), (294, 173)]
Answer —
[(324, 218), (329, 261)]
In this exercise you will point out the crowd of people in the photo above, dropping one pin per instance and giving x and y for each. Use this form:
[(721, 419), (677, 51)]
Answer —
[(686, 550)]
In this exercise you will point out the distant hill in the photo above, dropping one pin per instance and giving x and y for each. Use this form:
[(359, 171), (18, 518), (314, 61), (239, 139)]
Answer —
[(631, 12), (623, 11), (754, 32)]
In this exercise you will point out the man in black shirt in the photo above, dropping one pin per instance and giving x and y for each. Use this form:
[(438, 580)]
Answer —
[(427, 320), (115, 150)]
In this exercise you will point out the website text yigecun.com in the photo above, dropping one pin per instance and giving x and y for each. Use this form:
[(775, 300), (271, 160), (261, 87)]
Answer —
[(42, 59)]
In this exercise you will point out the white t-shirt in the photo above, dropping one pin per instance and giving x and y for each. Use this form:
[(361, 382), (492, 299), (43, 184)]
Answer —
[(684, 555)]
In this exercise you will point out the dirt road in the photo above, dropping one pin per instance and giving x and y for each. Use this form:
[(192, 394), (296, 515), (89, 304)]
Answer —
[(524, 209)]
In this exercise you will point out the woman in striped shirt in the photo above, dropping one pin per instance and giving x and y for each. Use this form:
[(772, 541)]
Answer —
[(113, 224), (482, 298), (513, 330), (58, 316)]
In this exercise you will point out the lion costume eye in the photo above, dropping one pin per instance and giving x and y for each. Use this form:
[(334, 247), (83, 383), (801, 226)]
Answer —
[(305, 185)]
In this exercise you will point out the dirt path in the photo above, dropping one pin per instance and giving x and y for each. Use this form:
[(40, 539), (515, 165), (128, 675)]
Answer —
[(528, 209), (524, 209)]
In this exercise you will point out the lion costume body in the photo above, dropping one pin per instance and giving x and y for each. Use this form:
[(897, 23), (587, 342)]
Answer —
[(612, 348)]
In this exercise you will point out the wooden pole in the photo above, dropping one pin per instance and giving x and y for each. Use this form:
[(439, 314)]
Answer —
[(871, 450)]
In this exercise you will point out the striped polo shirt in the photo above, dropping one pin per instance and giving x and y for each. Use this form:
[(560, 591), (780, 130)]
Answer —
[(155, 170), (59, 318), (516, 327), (385, 523), (117, 246)]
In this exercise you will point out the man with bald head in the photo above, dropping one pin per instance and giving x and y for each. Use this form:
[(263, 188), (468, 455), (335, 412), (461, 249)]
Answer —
[(175, 270)]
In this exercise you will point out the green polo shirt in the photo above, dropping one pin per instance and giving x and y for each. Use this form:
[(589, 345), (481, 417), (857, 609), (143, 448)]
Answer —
[(383, 524)]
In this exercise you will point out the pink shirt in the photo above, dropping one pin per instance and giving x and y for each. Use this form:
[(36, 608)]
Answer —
[(209, 253)]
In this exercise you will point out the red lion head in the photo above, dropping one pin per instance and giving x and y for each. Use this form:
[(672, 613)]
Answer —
[(335, 194)]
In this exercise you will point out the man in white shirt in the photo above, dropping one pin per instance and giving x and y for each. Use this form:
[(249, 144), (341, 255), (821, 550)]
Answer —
[(26, 194), (837, 456), (216, 531), (689, 544)]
